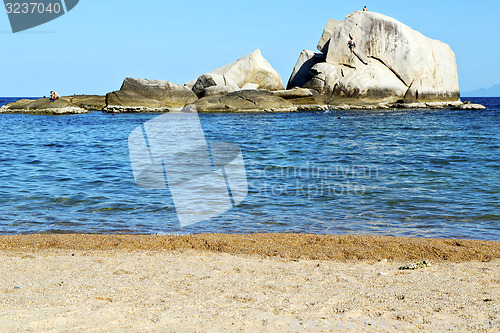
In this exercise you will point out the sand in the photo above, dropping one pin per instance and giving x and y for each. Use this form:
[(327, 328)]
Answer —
[(256, 283)]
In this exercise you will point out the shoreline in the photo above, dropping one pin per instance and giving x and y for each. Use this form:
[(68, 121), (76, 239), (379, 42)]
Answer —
[(255, 282), (285, 245), (80, 104)]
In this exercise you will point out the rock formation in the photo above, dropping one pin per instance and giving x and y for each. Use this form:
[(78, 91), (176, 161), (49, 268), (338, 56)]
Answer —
[(390, 62), (213, 84), (246, 101), (303, 99), (391, 66), (148, 95), (324, 41), (468, 106), (43, 106), (249, 72), (302, 70), (88, 102)]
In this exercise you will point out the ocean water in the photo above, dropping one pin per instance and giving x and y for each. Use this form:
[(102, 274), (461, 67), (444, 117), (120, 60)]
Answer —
[(420, 173)]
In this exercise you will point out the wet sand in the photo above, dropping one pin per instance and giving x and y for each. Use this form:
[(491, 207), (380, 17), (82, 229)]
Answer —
[(292, 246), (257, 282)]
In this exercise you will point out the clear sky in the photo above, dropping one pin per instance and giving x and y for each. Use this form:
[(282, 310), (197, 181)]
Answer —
[(95, 46)]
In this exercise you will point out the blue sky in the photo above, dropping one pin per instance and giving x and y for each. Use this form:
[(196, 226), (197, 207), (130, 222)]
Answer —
[(95, 46)]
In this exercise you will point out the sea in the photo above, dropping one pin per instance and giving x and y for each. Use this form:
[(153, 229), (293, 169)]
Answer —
[(417, 173)]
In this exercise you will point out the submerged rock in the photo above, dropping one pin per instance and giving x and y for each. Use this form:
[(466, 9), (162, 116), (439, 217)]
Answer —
[(148, 95)]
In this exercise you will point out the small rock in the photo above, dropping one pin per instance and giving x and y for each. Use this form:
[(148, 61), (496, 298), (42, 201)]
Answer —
[(416, 265), (469, 106)]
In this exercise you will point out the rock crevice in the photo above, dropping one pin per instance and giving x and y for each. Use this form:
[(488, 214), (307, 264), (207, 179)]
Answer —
[(392, 70)]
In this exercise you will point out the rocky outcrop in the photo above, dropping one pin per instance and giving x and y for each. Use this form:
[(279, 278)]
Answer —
[(88, 102), (390, 62), (324, 41), (43, 106), (244, 101), (468, 106), (302, 70), (213, 84), (392, 66), (373, 82), (303, 99), (148, 95), (249, 72)]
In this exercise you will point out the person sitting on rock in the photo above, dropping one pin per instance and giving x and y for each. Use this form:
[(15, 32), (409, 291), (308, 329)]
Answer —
[(364, 9), (53, 96)]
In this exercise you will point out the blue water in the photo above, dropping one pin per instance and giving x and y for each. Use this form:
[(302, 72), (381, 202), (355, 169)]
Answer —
[(423, 173)]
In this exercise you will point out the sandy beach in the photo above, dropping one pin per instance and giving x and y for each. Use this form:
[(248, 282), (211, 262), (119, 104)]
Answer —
[(257, 283)]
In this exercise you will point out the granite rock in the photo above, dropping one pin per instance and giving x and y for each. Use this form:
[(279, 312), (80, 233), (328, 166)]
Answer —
[(303, 99), (43, 106), (149, 95), (391, 61), (252, 68), (211, 80), (244, 101), (469, 106), (302, 70), (324, 41), (88, 102)]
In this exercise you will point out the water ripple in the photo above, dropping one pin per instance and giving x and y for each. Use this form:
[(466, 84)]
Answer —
[(419, 173)]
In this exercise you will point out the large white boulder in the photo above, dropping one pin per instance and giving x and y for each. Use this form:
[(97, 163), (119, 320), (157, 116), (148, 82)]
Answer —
[(374, 81), (253, 69), (390, 60), (324, 41)]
